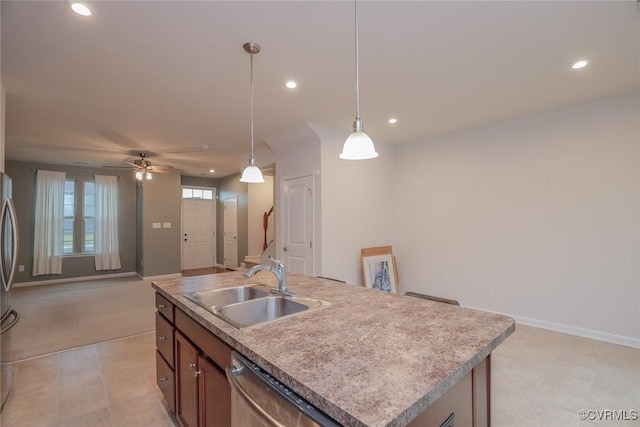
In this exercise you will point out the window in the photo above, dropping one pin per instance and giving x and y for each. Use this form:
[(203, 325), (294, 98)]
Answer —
[(197, 193), (89, 215), (79, 216), (69, 216)]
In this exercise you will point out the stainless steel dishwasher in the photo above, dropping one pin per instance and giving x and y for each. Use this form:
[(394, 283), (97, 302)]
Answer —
[(258, 399)]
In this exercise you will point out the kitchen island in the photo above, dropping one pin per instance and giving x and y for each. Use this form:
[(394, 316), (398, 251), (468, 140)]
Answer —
[(369, 358)]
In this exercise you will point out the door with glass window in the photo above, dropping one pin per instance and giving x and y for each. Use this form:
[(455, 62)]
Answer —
[(198, 228)]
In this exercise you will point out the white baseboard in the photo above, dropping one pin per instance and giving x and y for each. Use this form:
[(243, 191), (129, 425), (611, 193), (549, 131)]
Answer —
[(73, 279), (161, 277), (574, 330)]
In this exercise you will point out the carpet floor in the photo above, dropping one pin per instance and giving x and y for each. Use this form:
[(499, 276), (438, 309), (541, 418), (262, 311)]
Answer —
[(61, 316)]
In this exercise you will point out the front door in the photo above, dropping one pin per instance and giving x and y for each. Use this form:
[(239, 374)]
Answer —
[(231, 232), (297, 249), (198, 233)]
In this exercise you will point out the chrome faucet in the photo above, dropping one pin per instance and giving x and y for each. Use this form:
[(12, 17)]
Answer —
[(279, 272)]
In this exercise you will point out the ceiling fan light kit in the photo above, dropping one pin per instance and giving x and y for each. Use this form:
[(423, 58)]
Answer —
[(358, 145), (252, 174), (143, 168)]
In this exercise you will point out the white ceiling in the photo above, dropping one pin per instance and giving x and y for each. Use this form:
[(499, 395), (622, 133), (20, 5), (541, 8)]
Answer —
[(171, 77)]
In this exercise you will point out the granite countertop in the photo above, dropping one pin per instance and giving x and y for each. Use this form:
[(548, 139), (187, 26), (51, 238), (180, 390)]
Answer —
[(370, 358)]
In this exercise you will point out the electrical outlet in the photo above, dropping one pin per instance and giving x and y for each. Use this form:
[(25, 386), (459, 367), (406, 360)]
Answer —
[(490, 288), (21, 268)]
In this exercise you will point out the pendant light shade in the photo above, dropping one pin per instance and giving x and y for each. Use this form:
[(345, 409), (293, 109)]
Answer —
[(358, 145), (252, 174)]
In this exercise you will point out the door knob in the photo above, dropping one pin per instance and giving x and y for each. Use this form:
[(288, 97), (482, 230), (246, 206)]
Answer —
[(285, 249)]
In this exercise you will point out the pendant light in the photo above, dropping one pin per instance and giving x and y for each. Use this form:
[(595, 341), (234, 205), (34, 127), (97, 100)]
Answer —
[(358, 145), (252, 174)]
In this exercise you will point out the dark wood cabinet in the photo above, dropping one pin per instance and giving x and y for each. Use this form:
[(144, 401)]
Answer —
[(190, 363), (215, 395), (465, 404), (187, 384), (203, 394), (165, 377)]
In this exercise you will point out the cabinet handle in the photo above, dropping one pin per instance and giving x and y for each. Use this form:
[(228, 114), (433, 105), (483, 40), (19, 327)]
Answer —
[(163, 379), (161, 306), (162, 338), (192, 365), (196, 373)]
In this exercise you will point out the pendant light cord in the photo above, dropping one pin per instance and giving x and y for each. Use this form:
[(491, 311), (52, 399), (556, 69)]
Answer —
[(252, 108), (357, 67)]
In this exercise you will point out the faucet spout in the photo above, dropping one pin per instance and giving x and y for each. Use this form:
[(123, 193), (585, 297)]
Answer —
[(279, 271)]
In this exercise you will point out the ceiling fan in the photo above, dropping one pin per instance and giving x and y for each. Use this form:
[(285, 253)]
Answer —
[(143, 168)]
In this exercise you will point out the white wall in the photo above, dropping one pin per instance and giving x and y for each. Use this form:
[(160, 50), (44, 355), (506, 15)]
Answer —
[(297, 154), (357, 205), (260, 201), (536, 217)]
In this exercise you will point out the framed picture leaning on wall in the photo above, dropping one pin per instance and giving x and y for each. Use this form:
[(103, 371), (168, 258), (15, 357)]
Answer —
[(379, 269)]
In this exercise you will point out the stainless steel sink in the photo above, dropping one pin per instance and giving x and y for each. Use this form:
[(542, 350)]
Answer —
[(225, 296), (264, 310), (248, 305)]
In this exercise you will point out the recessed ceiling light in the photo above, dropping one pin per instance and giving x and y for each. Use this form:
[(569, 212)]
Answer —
[(580, 64), (212, 170), (291, 84), (80, 8), (393, 121)]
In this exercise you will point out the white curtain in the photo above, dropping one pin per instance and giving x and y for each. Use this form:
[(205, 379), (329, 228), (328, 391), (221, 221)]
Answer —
[(106, 223), (48, 234)]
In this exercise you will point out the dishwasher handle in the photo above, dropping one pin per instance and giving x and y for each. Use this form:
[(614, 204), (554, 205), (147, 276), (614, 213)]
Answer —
[(257, 409)]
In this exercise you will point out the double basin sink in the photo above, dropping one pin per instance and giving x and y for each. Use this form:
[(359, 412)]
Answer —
[(248, 305)]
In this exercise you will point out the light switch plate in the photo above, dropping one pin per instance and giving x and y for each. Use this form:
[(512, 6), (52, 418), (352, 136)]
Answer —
[(166, 225), (156, 225)]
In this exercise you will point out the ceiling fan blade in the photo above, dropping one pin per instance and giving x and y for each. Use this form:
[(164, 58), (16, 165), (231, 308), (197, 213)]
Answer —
[(37, 146), (193, 149), (120, 140), (116, 167)]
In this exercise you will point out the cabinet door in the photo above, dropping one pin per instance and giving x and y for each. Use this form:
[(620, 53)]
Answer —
[(215, 396), (186, 367)]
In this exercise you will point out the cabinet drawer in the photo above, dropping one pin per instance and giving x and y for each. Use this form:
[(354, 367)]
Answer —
[(212, 346), (458, 401), (164, 338), (165, 307), (166, 381)]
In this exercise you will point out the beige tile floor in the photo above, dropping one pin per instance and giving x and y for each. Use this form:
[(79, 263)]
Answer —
[(540, 378), (543, 378), (111, 384)]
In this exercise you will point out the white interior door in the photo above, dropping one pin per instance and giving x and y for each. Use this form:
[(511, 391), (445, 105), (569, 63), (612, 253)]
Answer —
[(231, 232), (198, 233), (297, 249)]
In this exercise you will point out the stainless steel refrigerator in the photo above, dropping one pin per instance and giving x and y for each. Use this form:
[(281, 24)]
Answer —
[(8, 260)]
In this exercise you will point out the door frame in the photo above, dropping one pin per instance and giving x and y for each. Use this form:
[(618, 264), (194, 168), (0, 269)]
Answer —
[(315, 253), (236, 199), (215, 222)]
